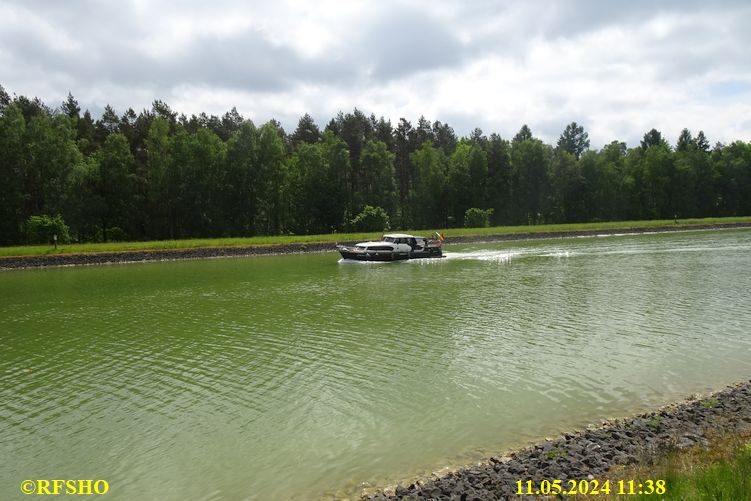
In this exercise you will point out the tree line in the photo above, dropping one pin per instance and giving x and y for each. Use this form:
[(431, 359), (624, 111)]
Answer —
[(160, 175)]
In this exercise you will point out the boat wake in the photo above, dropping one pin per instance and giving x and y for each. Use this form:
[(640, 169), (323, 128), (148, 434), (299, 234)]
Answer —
[(506, 255), (604, 248), (484, 255)]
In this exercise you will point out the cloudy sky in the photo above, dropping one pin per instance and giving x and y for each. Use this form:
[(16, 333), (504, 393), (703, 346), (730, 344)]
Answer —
[(617, 68)]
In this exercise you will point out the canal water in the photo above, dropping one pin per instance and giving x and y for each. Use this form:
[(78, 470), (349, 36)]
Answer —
[(299, 377)]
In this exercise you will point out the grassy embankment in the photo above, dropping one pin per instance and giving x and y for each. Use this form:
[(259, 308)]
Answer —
[(38, 250), (721, 471)]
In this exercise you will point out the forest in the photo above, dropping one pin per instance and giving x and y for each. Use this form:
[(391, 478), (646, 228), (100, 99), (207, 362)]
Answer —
[(158, 175)]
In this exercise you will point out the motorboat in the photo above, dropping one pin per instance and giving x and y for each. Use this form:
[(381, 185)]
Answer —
[(394, 247)]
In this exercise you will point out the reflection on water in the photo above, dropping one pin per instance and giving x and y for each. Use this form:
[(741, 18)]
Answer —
[(301, 376)]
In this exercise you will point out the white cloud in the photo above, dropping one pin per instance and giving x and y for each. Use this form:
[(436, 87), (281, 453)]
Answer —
[(619, 70)]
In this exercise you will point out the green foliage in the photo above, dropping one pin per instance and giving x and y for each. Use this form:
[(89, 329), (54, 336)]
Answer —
[(568, 189), (159, 190), (70, 107), (654, 422), (710, 403), (478, 175), (429, 194), (116, 165), (371, 219), (524, 134), (116, 234), (720, 471), (42, 230), (13, 158), (556, 453), (158, 175), (477, 218), (272, 179), (377, 179), (85, 203), (48, 156), (574, 140), (529, 160), (459, 181), (685, 141), (4, 99), (498, 182), (307, 131), (653, 138)]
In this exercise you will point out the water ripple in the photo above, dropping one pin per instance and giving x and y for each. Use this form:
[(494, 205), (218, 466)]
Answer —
[(294, 377)]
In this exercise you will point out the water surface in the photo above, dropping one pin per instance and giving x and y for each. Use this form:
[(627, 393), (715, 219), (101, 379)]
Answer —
[(297, 377)]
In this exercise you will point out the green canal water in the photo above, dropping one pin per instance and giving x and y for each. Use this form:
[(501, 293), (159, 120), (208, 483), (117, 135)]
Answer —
[(299, 377)]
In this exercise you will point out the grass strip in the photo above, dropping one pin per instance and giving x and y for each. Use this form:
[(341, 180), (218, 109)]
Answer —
[(719, 471), (86, 248)]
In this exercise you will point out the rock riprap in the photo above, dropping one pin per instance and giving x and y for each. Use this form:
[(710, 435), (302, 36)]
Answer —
[(591, 453)]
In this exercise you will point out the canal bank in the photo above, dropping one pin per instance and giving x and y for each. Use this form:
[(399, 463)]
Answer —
[(591, 454), (140, 256)]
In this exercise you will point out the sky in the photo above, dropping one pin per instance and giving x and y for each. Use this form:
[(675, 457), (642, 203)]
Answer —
[(618, 69)]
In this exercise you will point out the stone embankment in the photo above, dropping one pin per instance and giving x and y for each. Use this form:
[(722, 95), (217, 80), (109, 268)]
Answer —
[(592, 453), (216, 252), (156, 255)]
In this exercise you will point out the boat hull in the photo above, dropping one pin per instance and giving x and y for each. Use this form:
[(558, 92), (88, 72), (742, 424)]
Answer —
[(356, 255)]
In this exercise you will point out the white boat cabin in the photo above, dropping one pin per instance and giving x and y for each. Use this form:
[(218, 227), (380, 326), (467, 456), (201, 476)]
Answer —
[(396, 242)]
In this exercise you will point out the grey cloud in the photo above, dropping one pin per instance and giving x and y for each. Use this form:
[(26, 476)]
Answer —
[(684, 52), (405, 42), (389, 46), (698, 51), (392, 44), (248, 61), (568, 18)]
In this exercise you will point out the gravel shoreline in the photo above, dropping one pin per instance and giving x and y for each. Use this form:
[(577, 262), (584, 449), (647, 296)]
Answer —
[(22, 262), (591, 453)]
